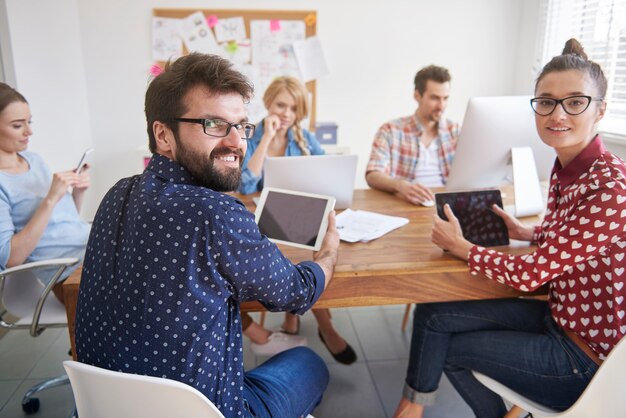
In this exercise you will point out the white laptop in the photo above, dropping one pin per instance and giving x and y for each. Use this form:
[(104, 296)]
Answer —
[(331, 175)]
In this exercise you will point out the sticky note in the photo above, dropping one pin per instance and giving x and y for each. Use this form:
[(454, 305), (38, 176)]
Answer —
[(211, 20), (310, 19), (156, 69), (274, 25), (232, 47)]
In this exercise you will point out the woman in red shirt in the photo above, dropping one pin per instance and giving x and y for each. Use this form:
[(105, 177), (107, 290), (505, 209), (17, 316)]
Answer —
[(547, 351)]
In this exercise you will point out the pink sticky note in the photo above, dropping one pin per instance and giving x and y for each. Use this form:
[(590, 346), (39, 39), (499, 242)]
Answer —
[(211, 20), (274, 25), (155, 70)]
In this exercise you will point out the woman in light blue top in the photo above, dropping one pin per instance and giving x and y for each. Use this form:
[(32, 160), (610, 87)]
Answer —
[(280, 133), (38, 216)]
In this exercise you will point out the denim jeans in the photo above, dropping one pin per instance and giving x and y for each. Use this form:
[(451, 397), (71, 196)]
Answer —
[(514, 341), (290, 385)]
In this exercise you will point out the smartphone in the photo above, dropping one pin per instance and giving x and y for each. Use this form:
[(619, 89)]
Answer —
[(83, 160)]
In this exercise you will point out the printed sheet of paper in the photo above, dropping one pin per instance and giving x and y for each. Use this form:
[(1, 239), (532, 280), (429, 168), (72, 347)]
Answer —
[(230, 29), (197, 35), (272, 46), (361, 225), (166, 41), (310, 57), (255, 109)]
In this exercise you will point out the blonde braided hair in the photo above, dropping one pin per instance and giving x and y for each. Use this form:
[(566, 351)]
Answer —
[(298, 91)]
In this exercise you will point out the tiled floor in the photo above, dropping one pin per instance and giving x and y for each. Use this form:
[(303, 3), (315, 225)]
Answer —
[(369, 388)]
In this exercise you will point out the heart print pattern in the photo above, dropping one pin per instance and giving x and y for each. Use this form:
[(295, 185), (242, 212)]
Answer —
[(581, 251)]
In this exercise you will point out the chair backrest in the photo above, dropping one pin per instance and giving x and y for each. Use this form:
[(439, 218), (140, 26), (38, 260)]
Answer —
[(605, 396), (101, 393)]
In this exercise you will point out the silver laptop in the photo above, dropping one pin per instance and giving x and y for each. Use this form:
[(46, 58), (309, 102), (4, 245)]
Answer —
[(331, 175)]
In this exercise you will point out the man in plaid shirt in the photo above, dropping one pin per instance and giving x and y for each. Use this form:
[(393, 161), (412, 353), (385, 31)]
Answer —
[(414, 153)]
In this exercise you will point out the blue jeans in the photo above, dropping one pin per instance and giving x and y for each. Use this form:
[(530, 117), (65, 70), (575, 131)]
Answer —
[(290, 384), (514, 341)]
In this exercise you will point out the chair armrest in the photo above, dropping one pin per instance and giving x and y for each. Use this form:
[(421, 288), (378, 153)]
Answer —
[(69, 261), (60, 263)]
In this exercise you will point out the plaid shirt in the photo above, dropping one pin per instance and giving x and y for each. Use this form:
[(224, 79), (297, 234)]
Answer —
[(395, 150)]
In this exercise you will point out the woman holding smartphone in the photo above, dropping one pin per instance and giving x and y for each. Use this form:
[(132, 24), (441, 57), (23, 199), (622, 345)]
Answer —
[(547, 351), (38, 216)]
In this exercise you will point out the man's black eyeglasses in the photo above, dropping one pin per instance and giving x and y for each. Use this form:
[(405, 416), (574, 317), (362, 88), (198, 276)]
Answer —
[(572, 105), (220, 128)]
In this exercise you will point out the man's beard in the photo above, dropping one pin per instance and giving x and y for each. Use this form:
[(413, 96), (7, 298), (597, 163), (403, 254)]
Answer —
[(204, 170)]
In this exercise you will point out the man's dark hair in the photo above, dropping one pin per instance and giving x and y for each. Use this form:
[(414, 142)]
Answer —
[(164, 97), (432, 72)]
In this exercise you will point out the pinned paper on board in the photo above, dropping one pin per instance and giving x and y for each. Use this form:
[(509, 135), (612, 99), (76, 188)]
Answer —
[(236, 51), (310, 57), (197, 35), (255, 109), (166, 41), (272, 51), (231, 29)]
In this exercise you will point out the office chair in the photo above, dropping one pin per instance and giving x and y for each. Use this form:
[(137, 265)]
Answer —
[(101, 393), (603, 397), (24, 304)]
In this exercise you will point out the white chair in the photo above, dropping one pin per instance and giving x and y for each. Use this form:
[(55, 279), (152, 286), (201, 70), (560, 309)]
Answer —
[(605, 396), (24, 304), (101, 393)]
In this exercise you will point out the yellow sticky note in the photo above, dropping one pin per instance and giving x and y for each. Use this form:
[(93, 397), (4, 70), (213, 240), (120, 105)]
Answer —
[(310, 19)]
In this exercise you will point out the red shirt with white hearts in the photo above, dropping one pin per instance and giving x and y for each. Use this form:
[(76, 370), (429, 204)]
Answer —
[(581, 249)]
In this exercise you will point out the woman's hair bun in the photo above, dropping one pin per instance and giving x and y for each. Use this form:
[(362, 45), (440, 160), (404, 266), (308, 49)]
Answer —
[(572, 46)]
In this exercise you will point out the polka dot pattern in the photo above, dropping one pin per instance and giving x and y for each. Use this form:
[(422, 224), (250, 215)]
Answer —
[(167, 264), (581, 251)]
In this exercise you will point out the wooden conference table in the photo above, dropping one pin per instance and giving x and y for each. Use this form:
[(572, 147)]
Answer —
[(401, 267)]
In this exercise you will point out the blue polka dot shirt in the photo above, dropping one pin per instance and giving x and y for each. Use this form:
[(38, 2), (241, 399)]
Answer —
[(167, 264)]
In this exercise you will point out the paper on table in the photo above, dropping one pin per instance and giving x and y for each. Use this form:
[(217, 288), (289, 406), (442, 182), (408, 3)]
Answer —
[(361, 225)]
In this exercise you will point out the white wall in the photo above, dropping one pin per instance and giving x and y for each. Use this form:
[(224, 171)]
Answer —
[(44, 62), (373, 49)]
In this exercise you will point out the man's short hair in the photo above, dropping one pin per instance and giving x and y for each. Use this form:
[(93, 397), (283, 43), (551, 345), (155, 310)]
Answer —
[(164, 97), (432, 72)]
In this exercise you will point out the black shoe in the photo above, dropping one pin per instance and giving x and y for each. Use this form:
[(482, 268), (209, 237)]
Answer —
[(347, 356)]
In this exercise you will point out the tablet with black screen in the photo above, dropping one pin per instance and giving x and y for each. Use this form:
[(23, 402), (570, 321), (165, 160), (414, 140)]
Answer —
[(480, 225), (293, 218)]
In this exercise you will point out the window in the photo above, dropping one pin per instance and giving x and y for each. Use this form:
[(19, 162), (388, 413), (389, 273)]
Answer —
[(600, 26)]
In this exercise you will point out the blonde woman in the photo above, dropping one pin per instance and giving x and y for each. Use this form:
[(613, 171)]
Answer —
[(280, 134)]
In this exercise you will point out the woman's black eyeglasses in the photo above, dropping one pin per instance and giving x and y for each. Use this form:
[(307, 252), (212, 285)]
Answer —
[(220, 128), (572, 105)]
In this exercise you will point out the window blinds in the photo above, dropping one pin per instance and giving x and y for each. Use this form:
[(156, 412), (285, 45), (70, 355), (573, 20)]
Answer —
[(600, 26)]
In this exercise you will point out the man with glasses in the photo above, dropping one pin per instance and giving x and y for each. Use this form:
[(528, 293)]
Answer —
[(171, 257), (414, 153)]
